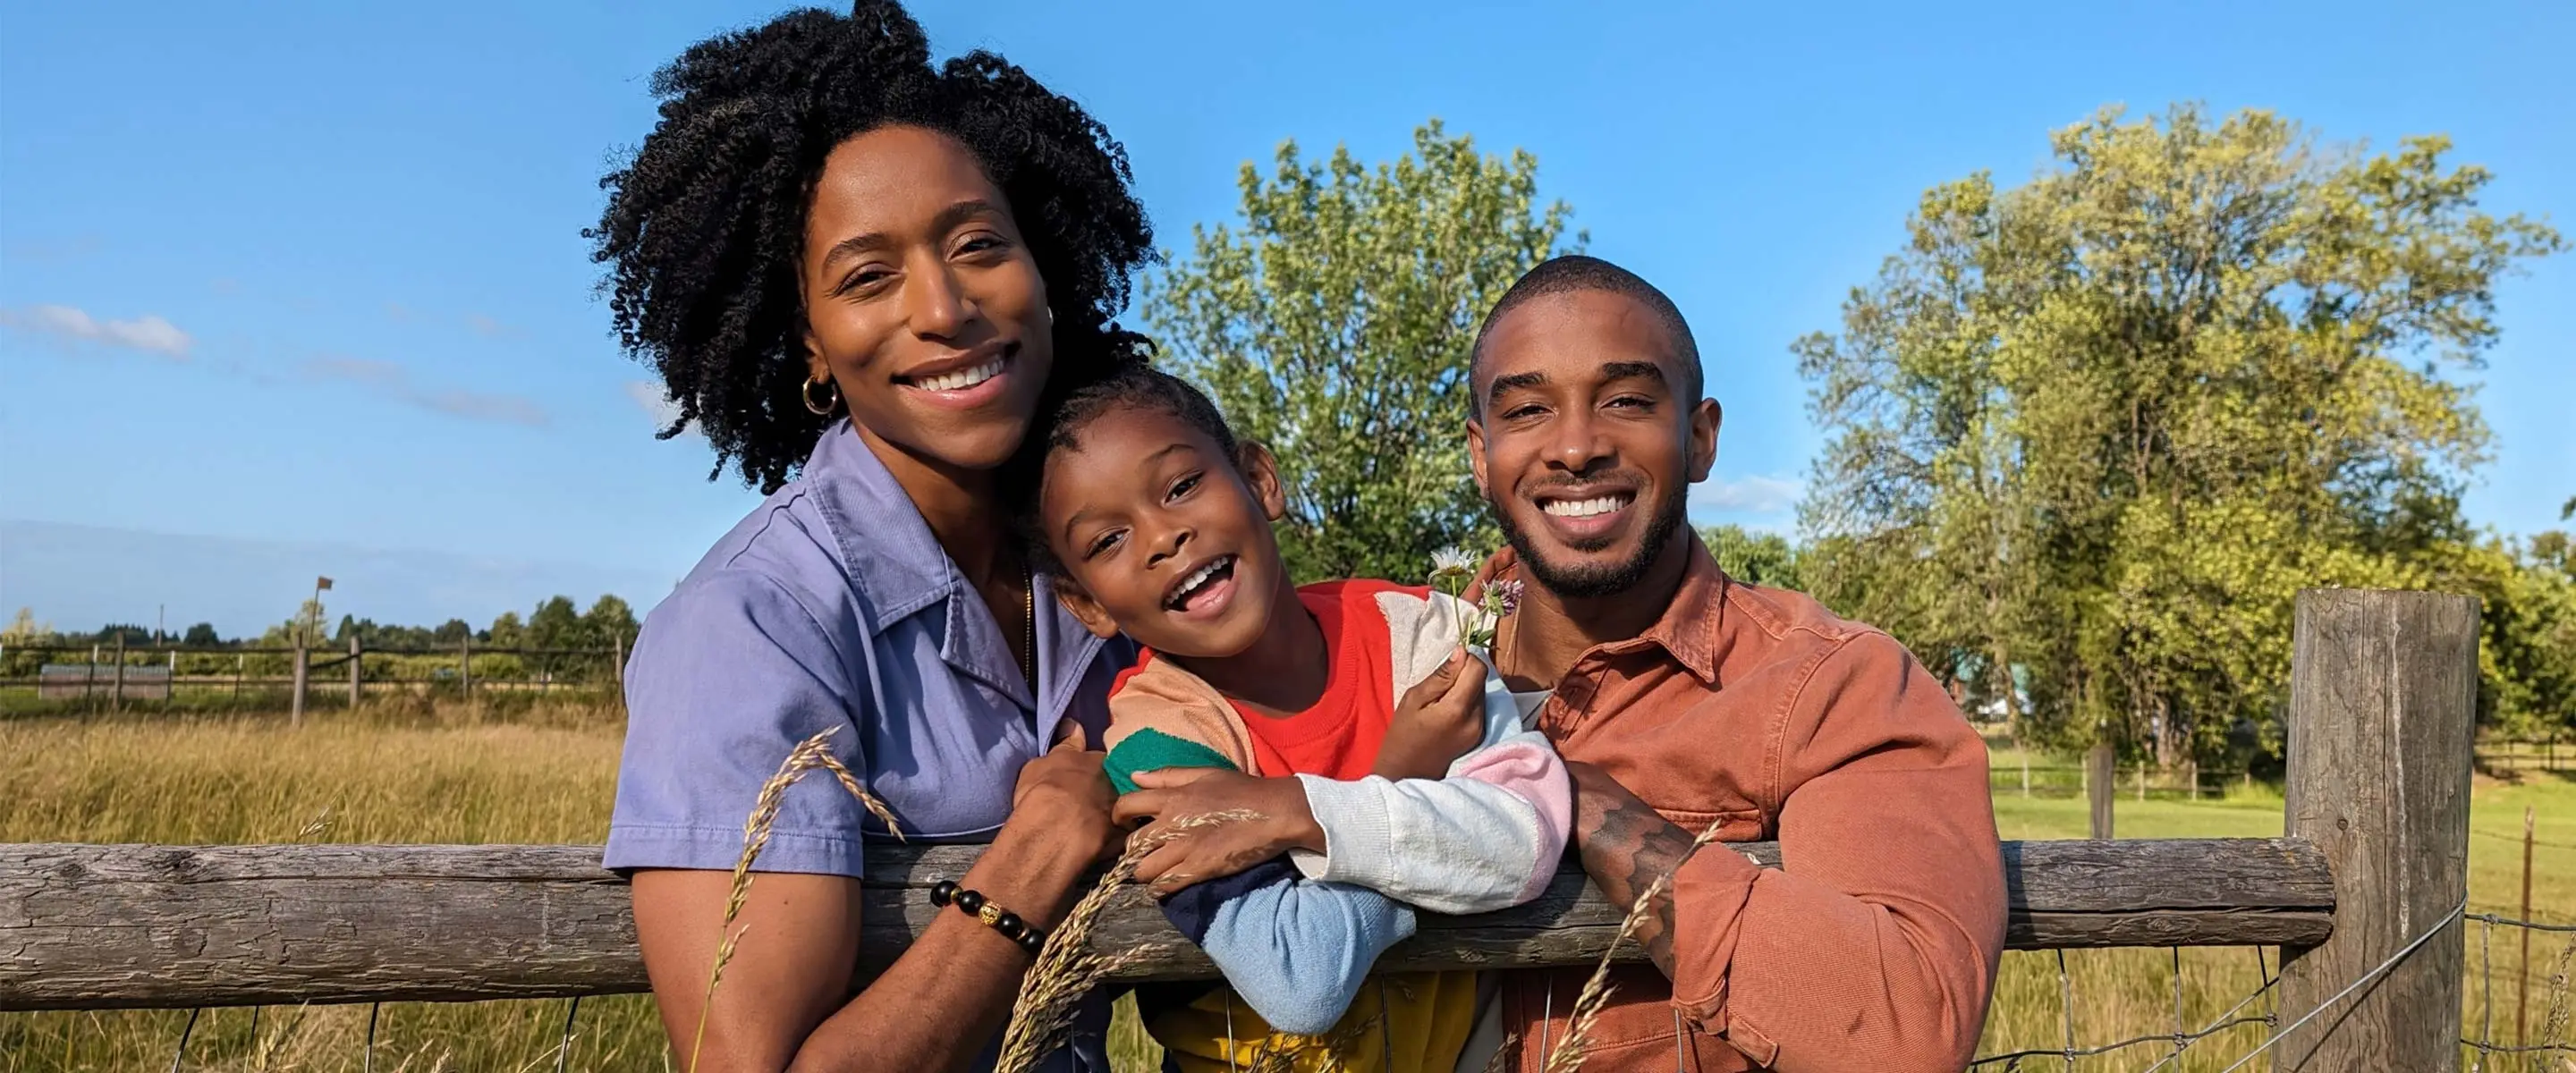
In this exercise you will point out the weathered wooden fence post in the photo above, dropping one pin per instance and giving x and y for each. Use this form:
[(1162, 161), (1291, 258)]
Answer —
[(116, 701), (2383, 704), (465, 670), (355, 680), (303, 670), (2099, 772)]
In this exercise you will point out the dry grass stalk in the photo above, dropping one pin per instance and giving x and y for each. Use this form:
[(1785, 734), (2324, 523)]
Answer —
[(2553, 1024), (808, 755), (1067, 968), (1570, 1052)]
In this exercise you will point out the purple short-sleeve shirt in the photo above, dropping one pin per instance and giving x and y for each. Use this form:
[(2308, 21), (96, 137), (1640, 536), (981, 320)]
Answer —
[(833, 607)]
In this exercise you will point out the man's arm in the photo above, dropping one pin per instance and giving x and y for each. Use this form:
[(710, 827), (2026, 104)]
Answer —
[(1624, 846), (1874, 944)]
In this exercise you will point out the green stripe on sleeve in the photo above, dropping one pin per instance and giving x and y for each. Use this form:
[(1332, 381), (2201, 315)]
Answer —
[(1149, 750)]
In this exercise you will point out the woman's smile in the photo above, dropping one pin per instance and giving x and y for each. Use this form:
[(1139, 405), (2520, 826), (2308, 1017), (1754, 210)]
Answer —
[(970, 380)]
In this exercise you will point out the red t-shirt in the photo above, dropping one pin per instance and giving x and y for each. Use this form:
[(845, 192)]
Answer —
[(1339, 736)]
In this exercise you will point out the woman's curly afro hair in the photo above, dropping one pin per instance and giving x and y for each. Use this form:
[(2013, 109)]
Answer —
[(705, 227)]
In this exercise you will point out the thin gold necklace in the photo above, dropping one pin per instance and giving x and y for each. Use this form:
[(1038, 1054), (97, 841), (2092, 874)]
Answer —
[(1029, 632)]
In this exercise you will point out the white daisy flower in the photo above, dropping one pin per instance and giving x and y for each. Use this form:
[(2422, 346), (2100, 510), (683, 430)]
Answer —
[(1453, 561)]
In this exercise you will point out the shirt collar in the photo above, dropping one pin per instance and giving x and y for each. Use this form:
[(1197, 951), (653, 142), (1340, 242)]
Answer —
[(1688, 630), (890, 554), (884, 543)]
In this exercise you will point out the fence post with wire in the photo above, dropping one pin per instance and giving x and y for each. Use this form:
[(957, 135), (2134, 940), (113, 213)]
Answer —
[(2383, 715)]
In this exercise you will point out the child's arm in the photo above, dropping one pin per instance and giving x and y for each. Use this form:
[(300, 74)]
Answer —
[(1486, 837), (1295, 949)]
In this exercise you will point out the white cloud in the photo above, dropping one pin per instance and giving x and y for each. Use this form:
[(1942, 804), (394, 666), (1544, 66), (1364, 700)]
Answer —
[(146, 333), (489, 328), (394, 381), (1749, 495), (648, 396)]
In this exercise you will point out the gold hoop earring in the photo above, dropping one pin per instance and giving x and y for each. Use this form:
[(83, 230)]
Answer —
[(831, 396)]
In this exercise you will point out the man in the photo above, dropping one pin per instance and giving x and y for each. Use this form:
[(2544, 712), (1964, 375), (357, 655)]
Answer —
[(1682, 699)]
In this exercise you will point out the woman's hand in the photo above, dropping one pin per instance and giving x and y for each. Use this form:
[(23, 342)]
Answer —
[(1439, 720), (1059, 827), (1272, 818)]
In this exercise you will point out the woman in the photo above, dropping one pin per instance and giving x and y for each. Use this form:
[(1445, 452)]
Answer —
[(827, 236)]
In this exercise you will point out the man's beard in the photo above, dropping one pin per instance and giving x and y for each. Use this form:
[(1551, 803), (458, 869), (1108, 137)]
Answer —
[(1595, 582)]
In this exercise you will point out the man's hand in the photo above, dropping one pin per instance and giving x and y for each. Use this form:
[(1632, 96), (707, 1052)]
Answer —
[(1625, 844), (1438, 721), (1275, 821)]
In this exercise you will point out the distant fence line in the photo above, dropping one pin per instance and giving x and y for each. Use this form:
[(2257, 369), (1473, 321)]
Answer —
[(2496, 756), (113, 674)]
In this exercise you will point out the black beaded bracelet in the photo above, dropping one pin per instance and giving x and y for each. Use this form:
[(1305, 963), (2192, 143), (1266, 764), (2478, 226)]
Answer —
[(1030, 937)]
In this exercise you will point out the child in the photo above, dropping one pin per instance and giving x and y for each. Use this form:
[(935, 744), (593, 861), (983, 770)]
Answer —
[(1157, 524)]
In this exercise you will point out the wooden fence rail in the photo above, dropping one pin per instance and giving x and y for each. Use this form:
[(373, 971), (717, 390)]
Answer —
[(98, 927), (2364, 897)]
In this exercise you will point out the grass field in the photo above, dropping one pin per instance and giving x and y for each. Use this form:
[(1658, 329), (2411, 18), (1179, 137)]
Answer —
[(421, 774)]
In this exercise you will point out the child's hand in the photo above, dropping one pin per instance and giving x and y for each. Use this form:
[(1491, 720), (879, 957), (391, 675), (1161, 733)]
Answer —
[(1439, 720), (1264, 818)]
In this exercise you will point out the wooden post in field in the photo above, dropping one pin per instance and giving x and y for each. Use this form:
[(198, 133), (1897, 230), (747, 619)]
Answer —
[(465, 669), (355, 680), (303, 667), (2522, 991), (2098, 773), (116, 700), (2383, 704), (617, 669)]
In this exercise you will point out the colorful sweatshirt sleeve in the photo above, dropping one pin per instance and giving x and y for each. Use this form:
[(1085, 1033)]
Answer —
[(1294, 949), (1487, 836)]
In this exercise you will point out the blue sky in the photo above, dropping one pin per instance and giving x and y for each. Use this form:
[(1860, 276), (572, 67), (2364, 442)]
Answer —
[(299, 288)]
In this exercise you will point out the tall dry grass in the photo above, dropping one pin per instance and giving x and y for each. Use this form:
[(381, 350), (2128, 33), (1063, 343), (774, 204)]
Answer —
[(396, 773)]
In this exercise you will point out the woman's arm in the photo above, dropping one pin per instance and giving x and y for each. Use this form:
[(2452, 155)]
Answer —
[(779, 1005)]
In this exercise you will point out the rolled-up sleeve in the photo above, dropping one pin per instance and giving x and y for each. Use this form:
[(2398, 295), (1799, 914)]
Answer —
[(1874, 945), (729, 674)]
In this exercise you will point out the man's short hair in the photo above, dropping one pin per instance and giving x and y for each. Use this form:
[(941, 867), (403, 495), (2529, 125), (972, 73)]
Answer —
[(1577, 272)]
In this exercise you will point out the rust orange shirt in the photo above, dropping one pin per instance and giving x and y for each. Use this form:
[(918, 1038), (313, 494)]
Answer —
[(1874, 945)]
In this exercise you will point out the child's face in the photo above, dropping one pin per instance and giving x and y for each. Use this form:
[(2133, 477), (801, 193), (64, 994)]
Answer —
[(1163, 536)]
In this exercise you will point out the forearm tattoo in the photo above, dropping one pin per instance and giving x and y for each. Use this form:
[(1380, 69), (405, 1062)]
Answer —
[(1626, 846)]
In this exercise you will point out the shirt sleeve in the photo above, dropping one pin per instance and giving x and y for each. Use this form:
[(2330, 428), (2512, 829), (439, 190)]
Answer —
[(1488, 836), (729, 675), (1295, 950), (1888, 907)]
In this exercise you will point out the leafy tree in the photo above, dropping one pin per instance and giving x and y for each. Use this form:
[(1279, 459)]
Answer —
[(1766, 559), (24, 629), (451, 632), (2527, 627), (506, 632), (609, 618), (130, 633), (2095, 432), (201, 635), (1332, 323), (555, 624)]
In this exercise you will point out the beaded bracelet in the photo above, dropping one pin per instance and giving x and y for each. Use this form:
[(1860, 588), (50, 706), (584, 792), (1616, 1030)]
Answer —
[(1030, 937)]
